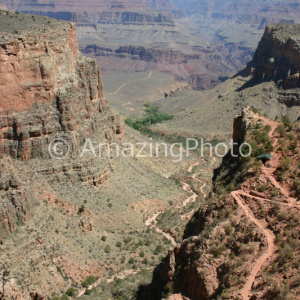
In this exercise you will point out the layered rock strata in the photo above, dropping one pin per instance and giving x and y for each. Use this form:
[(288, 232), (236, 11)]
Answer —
[(277, 57), (48, 87)]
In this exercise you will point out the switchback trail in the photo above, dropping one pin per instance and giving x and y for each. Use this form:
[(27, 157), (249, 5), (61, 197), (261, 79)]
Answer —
[(152, 221), (121, 275), (270, 245), (269, 172), (270, 237)]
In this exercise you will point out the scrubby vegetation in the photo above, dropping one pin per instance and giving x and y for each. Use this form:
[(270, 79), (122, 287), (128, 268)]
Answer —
[(218, 232), (89, 280), (153, 116)]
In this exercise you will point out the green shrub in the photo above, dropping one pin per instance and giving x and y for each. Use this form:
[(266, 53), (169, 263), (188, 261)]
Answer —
[(285, 163), (267, 128), (291, 136), (127, 240), (286, 121), (71, 292), (269, 147), (297, 187), (145, 261), (89, 280), (153, 116), (158, 249), (81, 209), (107, 249), (103, 238), (228, 230), (285, 254), (217, 251), (131, 260), (87, 292), (281, 130)]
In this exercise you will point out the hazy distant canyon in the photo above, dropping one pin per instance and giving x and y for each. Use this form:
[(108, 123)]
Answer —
[(197, 41)]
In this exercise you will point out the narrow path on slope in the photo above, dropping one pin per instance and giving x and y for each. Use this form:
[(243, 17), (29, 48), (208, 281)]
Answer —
[(269, 172), (203, 186), (121, 275), (270, 237), (266, 255), (243, 193), (152, 221), (125, 104), (124, 84)]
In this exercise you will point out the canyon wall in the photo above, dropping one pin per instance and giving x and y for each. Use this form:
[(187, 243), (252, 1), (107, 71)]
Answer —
[(48, 86), (49, 90), (91, 10), (140, 36), (277, 57)]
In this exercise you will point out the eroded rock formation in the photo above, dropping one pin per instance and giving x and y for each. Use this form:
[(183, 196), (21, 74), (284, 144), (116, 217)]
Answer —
[(48, 86), (277, 57), (48, 90), (240, 126)]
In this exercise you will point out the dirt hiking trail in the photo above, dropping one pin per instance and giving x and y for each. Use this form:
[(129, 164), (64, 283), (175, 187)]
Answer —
[(269, 235)]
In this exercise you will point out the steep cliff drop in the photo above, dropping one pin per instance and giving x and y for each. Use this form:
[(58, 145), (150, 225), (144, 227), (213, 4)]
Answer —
[(47, 86), (48, 90), (277, 56)]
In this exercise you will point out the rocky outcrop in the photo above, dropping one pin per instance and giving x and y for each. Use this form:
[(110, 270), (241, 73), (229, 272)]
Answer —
[(15, 205), (11, 291), (289, 98), (185, 277), (156, 55), (85, 171), (240, 126), (14, 211), (55, 89), (277, 57), (142, 53), (244, 11), (49, 90)]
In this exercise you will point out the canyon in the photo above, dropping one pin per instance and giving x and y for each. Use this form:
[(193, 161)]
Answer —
[(53, 211), (141, 36), (99, 226), (197, 42)]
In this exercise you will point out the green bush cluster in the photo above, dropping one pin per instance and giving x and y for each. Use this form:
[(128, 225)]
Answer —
[(153, 116), (89, 280)]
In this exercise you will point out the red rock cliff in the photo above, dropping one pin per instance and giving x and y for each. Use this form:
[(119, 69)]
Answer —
[(278, 56), (47, 86)]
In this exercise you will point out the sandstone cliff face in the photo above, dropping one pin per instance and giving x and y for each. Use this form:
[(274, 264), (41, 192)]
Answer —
[(47, 87), (15, 206), (240, 126), (49, 90), (278, 56)]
